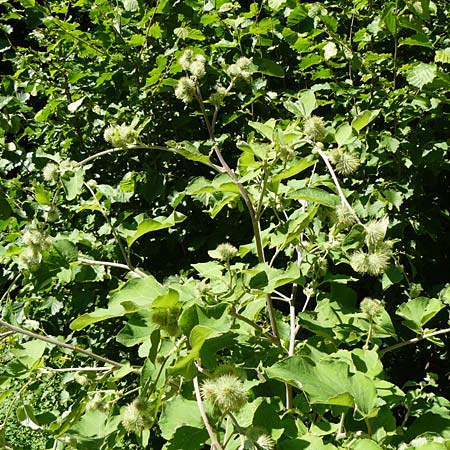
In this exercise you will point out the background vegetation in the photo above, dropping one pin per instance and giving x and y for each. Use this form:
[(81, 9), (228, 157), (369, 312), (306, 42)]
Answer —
[(224, 224)]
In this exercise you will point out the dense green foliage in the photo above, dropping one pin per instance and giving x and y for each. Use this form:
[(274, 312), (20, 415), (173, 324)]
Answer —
[(223, 225)]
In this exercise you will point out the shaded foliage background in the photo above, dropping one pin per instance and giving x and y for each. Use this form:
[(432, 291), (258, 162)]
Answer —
[(71, 69)]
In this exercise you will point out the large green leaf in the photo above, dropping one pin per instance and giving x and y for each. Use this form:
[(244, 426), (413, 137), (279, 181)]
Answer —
[(328, 381), (135, 295), (73, 183), (221, 183), (315, 195), (139, 327), (266, 279), (344, 134), (418, 311), (179, 412), (158, 223), (269, 67), (421, 74), (364, 118), (304, 106)]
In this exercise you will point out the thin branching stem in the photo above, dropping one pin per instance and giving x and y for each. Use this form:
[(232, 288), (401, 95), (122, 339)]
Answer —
[(249, 204), (52, 341), (139, 147), (94, 262), (342, 196), (113, 229), (215, 445), (413, 340)]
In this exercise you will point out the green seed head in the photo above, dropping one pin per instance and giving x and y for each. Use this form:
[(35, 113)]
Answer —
[(185, 90), (314, 129), (371, 307), (227, 393), (344, 162)]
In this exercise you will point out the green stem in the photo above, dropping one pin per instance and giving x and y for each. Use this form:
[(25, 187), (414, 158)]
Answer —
[(344, 200)]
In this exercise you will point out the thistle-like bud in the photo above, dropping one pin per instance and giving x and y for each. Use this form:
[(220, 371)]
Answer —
[(95, 403), (193, 63), (314, 129), (227, 393), (359, 262), (136, 416), (30, 258), (243, 68), (216, 99), (50, 173), (185, 90), (37, 240), (371, 307), (197, 69), (373, 263), (67, 165), (256, 439), (121, 135), (265, 442), (186, 59), (378, 260), (224, 252), (376, 231), (345, 216), (344, 162), (329, 50)]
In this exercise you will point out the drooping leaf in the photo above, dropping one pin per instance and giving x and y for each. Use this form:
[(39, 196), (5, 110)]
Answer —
[(315, 195), (158, 223), (269, 67), (304, 106), (73, 183), (418, 311), (328, 382), (344, 135), (136, 294), (364, 119)]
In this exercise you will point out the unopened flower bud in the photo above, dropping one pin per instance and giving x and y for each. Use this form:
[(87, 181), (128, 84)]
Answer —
[(314, 129), (50, 173), (224, 252), (345, 216), (376, 231), (344, 162), (136, 416), (227, 393), (216, 99), (185, 89), (120, 135), (243, 68), (371, 307)]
